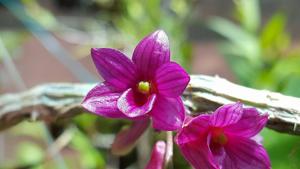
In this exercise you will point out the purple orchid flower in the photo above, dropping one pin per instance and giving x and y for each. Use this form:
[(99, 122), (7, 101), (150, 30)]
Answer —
[(157, 158), (223, 140), (149, 86)]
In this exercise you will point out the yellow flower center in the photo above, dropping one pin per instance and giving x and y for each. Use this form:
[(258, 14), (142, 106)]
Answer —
[(144, 87)]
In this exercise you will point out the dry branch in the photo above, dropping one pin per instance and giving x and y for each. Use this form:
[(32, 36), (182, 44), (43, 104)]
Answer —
[(53, 102)]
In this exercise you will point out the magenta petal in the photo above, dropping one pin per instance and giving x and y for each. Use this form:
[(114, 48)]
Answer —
[(157, 156), (126, 139), (217, 151), (127, 104), (227, 115), (151, 52), (258, 139), (171, 79), (102, 100), (115, 68), (245, 153), (250, 124), (168, 113), (193, 130), (198, 155)]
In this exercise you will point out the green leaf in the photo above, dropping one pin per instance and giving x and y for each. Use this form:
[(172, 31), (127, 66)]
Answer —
[(248, 14), (284, 68), (244, 71), (90, 156), (292, 87), (29, 153), (13, 40), (153, 9), (283, 149), (274, 31), (180, 7), (40, 14), (245, 42), (135, 9)]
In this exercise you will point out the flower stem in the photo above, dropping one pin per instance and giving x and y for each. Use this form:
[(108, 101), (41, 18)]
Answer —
[(169, 151)]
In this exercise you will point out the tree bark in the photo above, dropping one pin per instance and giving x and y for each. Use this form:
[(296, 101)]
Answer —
[(52, 102)]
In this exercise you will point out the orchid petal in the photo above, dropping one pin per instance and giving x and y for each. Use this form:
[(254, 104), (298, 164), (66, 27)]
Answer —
[(188, 119), (157, 156), (151, 52), (258, 139), (171, 79), (167, 113), (126, 139), (102, 100), (127, 104), (250, 124), (195, 128), (115, 68), (197, 153), (227, 115), (245, 153)]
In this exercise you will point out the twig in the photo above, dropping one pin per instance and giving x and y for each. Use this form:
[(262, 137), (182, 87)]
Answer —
[(204, 93)]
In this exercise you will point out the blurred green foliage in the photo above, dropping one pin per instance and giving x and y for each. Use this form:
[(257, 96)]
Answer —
[(139, 18), (39, 13), (261, 56), (283, 149), (12, 40), (29, 153), (89, 156)]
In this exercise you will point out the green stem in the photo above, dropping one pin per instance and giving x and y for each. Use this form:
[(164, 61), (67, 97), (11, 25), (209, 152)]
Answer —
[(169, 151)]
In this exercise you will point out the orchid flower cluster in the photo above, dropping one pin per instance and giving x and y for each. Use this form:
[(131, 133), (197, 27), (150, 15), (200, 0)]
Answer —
[(148, 88)]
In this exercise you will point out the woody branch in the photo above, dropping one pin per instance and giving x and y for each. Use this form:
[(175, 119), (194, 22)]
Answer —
[(58, 101)]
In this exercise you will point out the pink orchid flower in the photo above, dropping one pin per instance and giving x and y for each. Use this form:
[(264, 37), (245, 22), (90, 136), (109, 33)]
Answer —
[(147, 87), (223, 140), (157, 158)]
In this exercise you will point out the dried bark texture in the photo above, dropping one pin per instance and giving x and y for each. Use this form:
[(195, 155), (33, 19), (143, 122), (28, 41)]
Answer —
[(51, 102)]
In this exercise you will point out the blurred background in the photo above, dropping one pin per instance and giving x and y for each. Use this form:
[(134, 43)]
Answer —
[(254, 43)]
